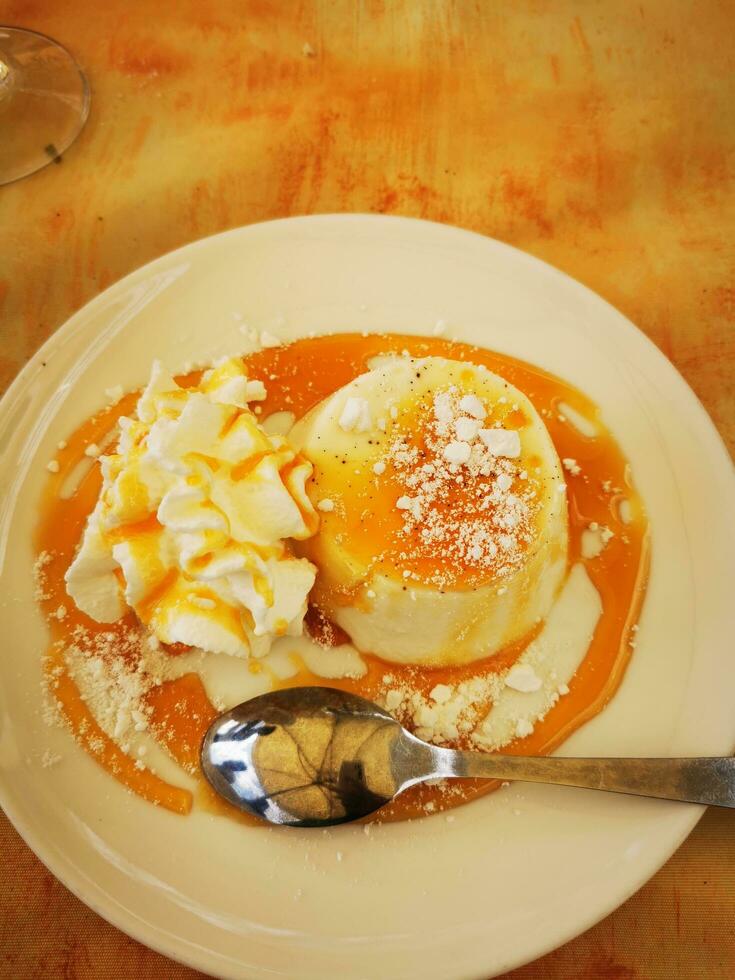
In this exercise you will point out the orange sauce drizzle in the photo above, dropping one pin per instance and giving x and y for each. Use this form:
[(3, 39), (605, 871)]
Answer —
[(306, 372), (381, 543), (182, 713), (104, 750)]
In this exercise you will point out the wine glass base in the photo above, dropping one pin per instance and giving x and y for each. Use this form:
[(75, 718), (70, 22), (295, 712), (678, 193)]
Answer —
[(44, 102)]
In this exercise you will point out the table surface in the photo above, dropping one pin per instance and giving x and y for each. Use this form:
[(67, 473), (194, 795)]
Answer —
[(599, 136)]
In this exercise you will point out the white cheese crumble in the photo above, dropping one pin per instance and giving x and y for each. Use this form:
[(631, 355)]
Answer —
[(466, 429), (522, 677), (325, 505), (503, 482), (457, 452), (502, 442), (523, 728), (473, 406), (441, 693)]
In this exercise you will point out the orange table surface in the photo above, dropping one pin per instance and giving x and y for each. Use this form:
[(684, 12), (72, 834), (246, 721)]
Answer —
[(597, 135)]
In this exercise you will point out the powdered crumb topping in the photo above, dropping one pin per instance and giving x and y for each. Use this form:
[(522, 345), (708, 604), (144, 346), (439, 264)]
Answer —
[(457, 714), (465, 495), (40, 567), (114, 672)]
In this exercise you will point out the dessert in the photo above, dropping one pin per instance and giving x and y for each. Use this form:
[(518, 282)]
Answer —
[(190, 528), (445, 534), (445, 530)]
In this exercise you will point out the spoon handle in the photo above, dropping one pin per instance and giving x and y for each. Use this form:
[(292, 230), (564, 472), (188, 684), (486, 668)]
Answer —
[(710, 781)]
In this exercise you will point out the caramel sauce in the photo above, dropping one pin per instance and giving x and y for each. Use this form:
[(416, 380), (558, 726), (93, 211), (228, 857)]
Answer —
[(104, 750), (182, 713), (380, 540), (306, 372)]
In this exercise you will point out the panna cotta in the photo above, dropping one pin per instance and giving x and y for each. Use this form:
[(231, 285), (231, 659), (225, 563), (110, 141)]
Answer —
[(443, 535)]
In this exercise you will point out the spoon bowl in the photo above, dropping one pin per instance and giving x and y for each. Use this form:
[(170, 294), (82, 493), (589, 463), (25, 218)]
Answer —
[(311, 757), (318, 756)]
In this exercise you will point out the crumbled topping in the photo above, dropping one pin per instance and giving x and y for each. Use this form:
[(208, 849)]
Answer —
[(460, 497), (449, 714), (325, 505), (473, 406), (595, 539), (39, 575), (457, 452), (53, 466), (522, 677), (114, 672), (502, 442), (466, 429), (441, 693), (524, 727)]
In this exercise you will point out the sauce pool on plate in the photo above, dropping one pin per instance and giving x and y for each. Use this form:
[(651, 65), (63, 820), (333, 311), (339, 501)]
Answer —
[(297, 376)]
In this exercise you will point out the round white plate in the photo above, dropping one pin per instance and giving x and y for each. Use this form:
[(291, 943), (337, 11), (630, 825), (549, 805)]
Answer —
[(502, 880)]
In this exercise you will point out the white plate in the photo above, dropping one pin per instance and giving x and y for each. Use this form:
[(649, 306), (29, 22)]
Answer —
[(510, 876)]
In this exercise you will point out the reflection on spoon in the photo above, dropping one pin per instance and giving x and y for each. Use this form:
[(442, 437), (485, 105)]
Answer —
[(316, 756)]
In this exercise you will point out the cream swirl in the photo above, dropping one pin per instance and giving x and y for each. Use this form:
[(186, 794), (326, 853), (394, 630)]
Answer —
[(192, 523)]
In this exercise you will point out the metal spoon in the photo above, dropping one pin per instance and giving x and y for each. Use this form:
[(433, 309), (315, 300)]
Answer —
[(316, 756)]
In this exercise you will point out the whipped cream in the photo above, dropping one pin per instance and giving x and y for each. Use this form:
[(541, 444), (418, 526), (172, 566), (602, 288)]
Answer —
[(193, 519)]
